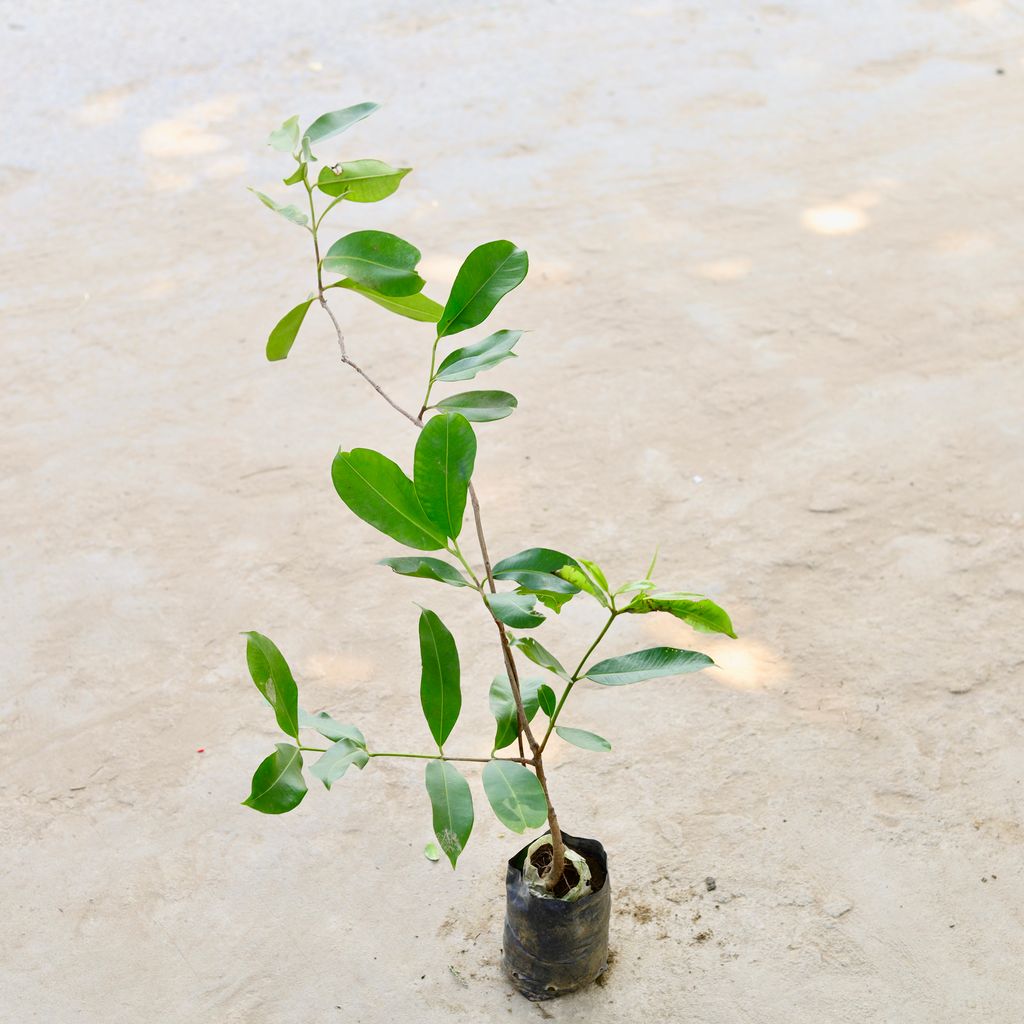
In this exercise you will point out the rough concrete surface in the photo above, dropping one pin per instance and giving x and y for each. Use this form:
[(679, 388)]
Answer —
[(774, 307)]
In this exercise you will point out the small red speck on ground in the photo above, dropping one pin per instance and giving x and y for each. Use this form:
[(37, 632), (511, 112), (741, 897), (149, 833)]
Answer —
[(201, 750)]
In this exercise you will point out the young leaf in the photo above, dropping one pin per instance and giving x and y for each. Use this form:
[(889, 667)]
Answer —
[(376, 260), (465, 363), (578, 578), (289, 212), (539, 655), (440, 689), (361, 181), (414, 307), (278, 785), (328, 727), (515, 610), (452, 805), (547, 699), (327, 125), (489, 272), (648, 664), (596, 574), (515, 795), (480, 406), (442, 467), (503, 707), (629, 588), (299, 174), (273, 678), (286, 138), (334, 763), (582, 738), (705, 616), (282, 337), (427, 569), (377, 491)]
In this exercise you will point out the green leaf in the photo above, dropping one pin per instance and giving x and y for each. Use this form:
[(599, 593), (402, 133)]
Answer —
[(539, 655), (290, 212), (480, 406), (629, 588), (376, 260), (286, 138), (334, 763), (548, 700), (515, 795), (327, 726), (273, 678), (648, 664), (377, 491), (327, 125), (489, 272), (503, 707), (431, 852), (440, 689), (705, 616), (414, 307), (282, 337), (465, 363), (278, 785), (515, 610), (545, 560), (361, 181), (442, 467), (584, 739), (452, 804), (427, 569), (299, 174), (549, 598), (534, 582), (578, 578), (596, 574)]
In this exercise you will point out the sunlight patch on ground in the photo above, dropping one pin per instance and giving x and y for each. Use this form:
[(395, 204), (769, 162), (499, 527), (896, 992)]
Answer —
[(724, 270)]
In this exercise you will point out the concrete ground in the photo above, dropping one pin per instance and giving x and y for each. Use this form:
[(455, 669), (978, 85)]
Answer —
[(775, 307)]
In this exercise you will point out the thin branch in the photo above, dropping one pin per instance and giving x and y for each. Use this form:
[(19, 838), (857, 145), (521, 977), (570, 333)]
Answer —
[(445, 757)]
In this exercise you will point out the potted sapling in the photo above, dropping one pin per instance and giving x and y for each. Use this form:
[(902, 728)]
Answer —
[(558, 885)]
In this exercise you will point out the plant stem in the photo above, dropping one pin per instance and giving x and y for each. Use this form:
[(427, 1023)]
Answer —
[(576, 677), (430, 379), (445, 757), (316, 750)]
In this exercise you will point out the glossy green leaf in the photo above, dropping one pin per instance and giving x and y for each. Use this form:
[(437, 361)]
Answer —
[(413, 307), (299, 174), (442, 467), (427, 569), (377, 491), (278, 785), (289, 212), (547, 699), (515, 795), (489, 272), (540, 655), (544, 560), (452, 805), (286, 138), (465, 363), (535, 582), (579, 578), (328, 125), (377, 260), (480, 406), (335, 762), (515, 610), (503, 707), (324, 724), (361, 181), (704, 616), (595, 574), (432, 852), (440, 687), (582, 738), (282, 337), (273, 678), (648, 664)]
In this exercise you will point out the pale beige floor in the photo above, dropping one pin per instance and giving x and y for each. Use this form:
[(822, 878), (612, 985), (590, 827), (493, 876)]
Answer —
[(775, 309)]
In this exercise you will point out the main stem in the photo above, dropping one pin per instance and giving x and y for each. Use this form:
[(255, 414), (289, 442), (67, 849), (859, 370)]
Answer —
[(536, 749)]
